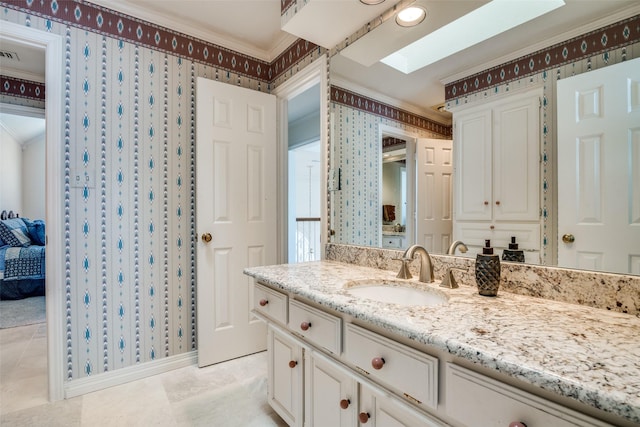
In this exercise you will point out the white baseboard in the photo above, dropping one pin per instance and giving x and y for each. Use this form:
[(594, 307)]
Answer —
[(131, 373)]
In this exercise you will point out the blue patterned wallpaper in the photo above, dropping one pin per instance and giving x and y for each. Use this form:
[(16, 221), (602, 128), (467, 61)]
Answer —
[(129, 116)]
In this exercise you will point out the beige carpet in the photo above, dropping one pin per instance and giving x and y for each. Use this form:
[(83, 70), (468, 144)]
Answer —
[(21, 312)]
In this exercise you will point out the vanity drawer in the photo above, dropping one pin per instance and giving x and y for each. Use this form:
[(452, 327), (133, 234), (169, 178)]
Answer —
[(318, 327), (476, 400), (412, 373), (271, 303)]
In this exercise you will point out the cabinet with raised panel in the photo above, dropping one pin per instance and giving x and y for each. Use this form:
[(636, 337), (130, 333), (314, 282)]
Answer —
[(285, 372), (497, 172)]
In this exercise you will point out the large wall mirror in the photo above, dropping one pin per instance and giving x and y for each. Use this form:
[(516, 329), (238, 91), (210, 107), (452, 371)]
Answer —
[(357, 188)]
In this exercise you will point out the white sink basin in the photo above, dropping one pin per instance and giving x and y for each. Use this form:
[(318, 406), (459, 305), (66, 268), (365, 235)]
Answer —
[(395, 293)]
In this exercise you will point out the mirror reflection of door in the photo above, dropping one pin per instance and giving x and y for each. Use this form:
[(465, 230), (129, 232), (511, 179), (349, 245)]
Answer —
[(395, 201), (599, 159)]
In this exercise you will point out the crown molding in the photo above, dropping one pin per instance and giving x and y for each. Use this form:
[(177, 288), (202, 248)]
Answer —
[(593, 26), (369, 93), (179, 25)]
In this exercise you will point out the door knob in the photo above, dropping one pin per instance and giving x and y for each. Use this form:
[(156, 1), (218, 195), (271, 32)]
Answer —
[(206, 237), (568, 238)]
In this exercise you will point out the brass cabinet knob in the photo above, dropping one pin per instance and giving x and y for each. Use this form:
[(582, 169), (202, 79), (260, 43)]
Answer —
[(568, 238), (206, 237)]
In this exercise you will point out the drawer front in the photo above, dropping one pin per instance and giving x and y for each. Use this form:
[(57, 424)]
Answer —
[(412, 373), (475, 233), (272, 304), (318, 327), (476, 400)]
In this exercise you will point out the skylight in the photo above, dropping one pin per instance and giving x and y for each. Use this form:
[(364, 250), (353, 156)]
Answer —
[(481, 24)]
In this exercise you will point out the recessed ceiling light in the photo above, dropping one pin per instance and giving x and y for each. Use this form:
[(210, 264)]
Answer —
[(371, 2), (411, 16)]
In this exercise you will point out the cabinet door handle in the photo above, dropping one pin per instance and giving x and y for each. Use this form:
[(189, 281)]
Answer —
[(305, 326), (486, 203), (263, 302), (377, 362), (293, 364), (517, 424), (492, 227), (363, 417), (498, 202), (344, 403)]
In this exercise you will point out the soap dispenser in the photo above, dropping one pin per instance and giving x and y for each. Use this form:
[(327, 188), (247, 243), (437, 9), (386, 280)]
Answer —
[(513, 254), (488, 271)]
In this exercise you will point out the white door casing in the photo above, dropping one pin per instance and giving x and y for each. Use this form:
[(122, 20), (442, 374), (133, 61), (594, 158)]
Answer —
[(598, 149), (434, 186), (236, 205)]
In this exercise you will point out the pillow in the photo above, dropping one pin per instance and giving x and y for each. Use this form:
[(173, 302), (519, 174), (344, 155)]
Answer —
[(14, 232), (35, 231)]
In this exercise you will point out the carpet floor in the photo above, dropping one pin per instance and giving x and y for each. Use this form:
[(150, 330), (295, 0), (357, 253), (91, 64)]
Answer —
[(22, 312)]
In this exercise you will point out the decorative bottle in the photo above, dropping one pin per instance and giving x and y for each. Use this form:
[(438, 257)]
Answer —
[(513, 254), (488, 271)]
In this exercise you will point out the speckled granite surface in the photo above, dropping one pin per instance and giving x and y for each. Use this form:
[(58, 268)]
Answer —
[(590, 355), (615, 292)]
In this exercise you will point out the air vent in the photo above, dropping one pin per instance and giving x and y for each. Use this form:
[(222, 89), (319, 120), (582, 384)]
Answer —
[(9, 56)]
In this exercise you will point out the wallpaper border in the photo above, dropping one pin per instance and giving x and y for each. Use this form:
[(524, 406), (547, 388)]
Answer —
[(363, 103), (20, 88), (614, 36)]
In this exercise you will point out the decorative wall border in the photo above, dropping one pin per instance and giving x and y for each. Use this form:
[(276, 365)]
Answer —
[(605, 39), (123, 27), (359, 102), (22, 88), (285, 5)]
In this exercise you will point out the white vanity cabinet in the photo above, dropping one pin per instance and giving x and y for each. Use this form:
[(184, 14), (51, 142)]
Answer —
[(331, 393), (476, 400), (390, 241), (497, 172), (336, 373), (379, 408), (285, 373)]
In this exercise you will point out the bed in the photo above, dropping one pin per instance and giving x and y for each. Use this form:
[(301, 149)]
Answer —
[(22, 257)]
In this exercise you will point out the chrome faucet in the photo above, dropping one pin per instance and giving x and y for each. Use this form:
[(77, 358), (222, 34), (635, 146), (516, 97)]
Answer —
[(454, 245), (426, 268)]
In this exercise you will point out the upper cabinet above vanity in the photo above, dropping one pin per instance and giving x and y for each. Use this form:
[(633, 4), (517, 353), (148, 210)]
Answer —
[(497, 173)]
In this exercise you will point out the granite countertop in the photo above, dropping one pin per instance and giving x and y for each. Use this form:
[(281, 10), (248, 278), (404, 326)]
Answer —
[(587, 354)]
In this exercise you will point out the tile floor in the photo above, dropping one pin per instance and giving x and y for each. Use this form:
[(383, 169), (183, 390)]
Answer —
[(230, 394)]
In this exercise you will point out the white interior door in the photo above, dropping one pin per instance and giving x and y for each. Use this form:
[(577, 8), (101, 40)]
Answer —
[(236, 206), (434, 191), (599, 148)]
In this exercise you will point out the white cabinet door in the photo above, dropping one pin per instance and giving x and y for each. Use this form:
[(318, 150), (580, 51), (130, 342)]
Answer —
[(330, 394), (285, 374), (472, 151), (380, 409), (599, 177), (516, 160)]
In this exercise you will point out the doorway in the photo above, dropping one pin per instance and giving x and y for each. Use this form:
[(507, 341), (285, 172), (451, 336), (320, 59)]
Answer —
[(51, 44), (302, 113), (304, 183), (397, 188)]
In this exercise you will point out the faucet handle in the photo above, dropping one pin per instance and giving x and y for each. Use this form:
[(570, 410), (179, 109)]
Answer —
[(404, 272), (449, 281)]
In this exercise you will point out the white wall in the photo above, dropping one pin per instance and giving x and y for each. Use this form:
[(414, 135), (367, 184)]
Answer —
[(392, 188), (33, 178), (10, 175), (304, 130)]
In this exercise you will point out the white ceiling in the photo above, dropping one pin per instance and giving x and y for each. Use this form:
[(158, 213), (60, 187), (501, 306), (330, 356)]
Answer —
[(23, 129)]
